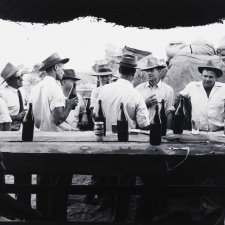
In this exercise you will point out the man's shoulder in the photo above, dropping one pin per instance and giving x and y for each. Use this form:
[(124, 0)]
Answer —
[(164, 85), (141, 85)]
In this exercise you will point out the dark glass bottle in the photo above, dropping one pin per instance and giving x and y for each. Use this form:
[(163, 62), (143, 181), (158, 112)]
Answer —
[(88, 110), (163, 118), (155, 128), (28, 125), (73, 93), (178, 124), (122, 125), (84, 122), (100, 116)]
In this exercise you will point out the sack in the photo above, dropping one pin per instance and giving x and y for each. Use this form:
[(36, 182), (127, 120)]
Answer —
[(183, 69), (202, 47), (177, 47), (221, 46)]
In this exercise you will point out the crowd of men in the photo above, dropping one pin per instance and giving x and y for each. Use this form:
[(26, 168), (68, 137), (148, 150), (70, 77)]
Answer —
[(54, 111)]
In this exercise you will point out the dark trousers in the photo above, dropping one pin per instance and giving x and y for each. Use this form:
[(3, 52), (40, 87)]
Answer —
[(53, 206)]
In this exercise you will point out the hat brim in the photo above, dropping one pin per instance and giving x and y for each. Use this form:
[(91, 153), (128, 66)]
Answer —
[(151, 67), (102, 74), (128, 65), (72, 78), (10, 75), (218, 71), (54, 62)]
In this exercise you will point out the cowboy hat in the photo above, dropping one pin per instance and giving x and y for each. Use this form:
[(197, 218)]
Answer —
[(70, 74), (51, 61), (102, 70), (152, 63), (210, 66), (129, 61), (9, 71)]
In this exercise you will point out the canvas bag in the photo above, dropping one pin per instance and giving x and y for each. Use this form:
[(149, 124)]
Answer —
[(183, 69)]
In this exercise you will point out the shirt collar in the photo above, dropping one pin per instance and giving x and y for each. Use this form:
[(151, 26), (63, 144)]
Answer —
[(159, 84), (217, 84), (123, 81), (12, 89), (49, 79)]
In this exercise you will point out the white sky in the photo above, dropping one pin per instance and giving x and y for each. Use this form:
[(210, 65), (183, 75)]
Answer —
[(84, 41)]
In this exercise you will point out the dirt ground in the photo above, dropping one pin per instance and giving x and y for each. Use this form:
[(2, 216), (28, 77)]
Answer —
[(77, 209)]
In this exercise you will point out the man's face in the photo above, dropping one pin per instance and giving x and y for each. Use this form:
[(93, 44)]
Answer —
[(16, 81), (153, 76), (208, 78), (105, 79), (68, 83), (59, 71)]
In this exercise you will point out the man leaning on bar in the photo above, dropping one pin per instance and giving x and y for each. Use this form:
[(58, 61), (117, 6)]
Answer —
[(207, 98)]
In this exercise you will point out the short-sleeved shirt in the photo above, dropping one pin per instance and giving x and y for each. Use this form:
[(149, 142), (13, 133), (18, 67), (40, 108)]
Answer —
[(71, 122), (4, 112), (94, 95), (45, 97), (162, 91), (122, 91), (10, 95), (209, 110)]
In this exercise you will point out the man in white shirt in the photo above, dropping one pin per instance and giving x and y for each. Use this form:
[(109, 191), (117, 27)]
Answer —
[(12, 94), (50, 109), (207, 98), (12, 112), (122, 91), (104, 75), (49, 106), (154, 90), (73, 119)]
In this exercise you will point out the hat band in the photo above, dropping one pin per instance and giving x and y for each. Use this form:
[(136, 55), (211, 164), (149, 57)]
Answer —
[(128, 65)]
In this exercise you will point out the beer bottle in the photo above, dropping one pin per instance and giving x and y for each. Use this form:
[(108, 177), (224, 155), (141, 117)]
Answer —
[(155, 128), (73, 93), (178, 125), (100, 116), (163, 118), (28, 125), (84, 122), (90, 121), (122, 125)]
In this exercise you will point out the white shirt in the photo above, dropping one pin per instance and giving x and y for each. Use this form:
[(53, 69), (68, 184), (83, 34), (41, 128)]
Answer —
[(94, 95), (46, 96), (71, 122), (10, 96), (162, 91), (210, 111), (4, 112), (118, 92)]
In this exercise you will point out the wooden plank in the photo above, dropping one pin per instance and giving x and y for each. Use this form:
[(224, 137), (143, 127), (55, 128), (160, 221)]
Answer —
[(170, 190), (79, 136)]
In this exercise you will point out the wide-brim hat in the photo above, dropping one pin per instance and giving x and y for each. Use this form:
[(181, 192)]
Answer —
[(9, 71), (210, 66), (52, 60), (70, 74), (102, 70), (152, 63), (129, 61)]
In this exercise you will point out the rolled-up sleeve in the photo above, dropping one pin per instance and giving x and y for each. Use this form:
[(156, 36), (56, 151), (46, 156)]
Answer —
[(57, 98), (142, 114), (186, 92)]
